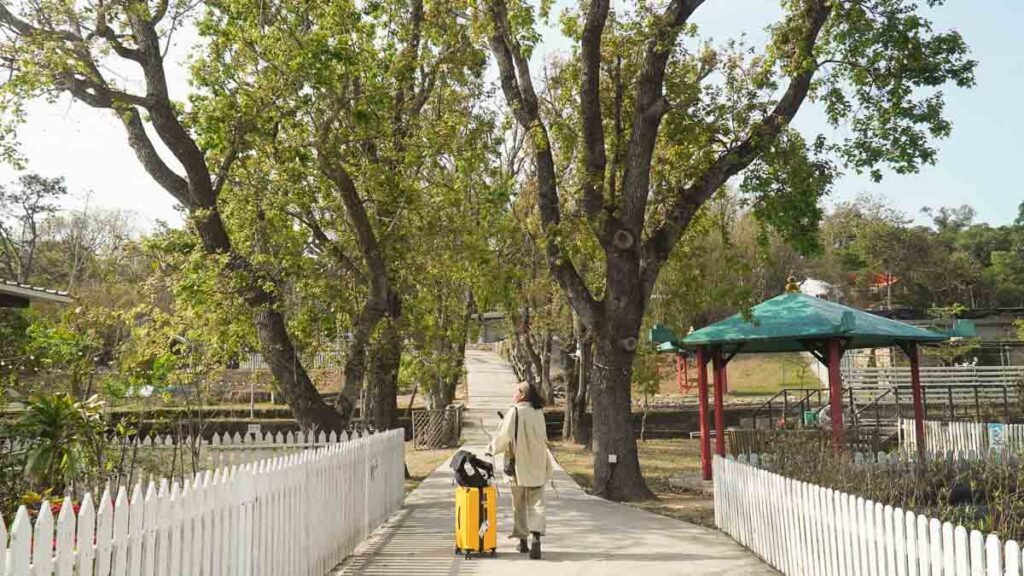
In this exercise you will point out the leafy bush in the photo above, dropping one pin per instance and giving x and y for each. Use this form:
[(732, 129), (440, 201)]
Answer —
[(987, 495), (65, 439)]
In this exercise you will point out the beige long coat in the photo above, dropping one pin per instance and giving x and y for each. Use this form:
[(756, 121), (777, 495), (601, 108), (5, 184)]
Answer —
[(533, 464)]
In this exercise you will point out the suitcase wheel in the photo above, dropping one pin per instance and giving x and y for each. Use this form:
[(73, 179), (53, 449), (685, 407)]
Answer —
[(494, 553), (467, 554), (457, 550)]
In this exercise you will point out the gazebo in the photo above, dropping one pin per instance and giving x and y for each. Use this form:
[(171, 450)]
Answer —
[(795, 322)]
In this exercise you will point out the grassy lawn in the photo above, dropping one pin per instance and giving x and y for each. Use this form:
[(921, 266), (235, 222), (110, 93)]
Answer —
[(659, 459), (421, 463), (749, 375)]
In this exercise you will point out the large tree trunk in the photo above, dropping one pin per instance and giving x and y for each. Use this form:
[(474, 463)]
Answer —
[(382, 381), (615, 342), (298, 390), (355, 359), (613, 425)]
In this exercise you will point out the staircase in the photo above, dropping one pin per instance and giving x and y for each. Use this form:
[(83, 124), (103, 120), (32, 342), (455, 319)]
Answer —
[(871, 416)]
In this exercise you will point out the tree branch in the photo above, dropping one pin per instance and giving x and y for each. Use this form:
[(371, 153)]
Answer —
[(309, 220), (517, 86), (761, 136), (649, 108), (175, 185), (594, 159)]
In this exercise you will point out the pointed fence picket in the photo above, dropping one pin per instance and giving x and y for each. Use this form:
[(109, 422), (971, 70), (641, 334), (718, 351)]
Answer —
[(298, 513), (806, 530)]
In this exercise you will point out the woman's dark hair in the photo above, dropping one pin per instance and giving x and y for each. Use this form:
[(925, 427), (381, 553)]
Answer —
[(534, 397)]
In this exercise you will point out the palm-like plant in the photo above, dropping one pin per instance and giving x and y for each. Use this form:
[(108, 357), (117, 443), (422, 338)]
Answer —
[(61, 433)]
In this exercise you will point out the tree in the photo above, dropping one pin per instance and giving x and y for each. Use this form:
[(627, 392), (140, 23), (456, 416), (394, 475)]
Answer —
[(372, 127), (21, 214), (53, 48), (950, 220), (876, 66)]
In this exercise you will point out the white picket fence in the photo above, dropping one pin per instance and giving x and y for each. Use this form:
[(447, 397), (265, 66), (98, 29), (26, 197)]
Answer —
[(222, 450), (298, 514), (803, 529), (965, 438), (234, 449)]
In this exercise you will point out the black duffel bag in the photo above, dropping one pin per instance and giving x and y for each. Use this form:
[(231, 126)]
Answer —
[(470, 471)]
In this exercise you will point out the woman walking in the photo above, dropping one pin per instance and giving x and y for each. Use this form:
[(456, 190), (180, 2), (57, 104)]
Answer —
[(523, 438)]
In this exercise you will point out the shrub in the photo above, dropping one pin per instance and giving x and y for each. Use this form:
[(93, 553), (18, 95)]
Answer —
[(987, 495)]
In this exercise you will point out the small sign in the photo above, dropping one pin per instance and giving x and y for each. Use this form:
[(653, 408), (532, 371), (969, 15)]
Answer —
[(996, 437), (254, 429)]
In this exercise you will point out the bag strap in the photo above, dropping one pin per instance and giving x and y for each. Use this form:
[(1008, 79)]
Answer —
[(515, 441)]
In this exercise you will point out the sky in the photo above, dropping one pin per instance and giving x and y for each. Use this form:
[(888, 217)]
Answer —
[(975, 165)]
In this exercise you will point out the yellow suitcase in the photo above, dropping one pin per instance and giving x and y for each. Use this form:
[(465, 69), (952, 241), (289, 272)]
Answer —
[(476, 520)]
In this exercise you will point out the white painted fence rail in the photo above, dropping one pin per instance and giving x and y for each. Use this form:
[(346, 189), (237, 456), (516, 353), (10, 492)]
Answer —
[(221, 450), (959, 437), (233, 449), (299, 514), (806, 530)]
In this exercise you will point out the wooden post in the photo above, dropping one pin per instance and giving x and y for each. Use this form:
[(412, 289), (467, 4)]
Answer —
[(835, 387), (686, 373), (702, 402), (679, 372), (915, 387), (719, 365)]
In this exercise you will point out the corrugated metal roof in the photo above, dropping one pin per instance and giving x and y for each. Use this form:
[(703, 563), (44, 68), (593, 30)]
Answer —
[(19, 290)]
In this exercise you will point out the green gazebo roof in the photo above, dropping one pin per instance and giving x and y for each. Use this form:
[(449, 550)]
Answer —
[(793, 322)]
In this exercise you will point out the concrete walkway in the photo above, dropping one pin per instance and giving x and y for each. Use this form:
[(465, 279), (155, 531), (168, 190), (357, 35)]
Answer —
[(586, 535)]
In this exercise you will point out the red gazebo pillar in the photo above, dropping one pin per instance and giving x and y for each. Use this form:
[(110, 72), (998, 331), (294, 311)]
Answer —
[(915, 388), (835, 391), (702, 402), (719, 365)]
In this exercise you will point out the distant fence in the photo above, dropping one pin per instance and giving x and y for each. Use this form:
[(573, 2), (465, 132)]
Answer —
[(933, 376), (318, 361), (437, 428), (298, 514), (949, 384), (960, 437), (807, 530)]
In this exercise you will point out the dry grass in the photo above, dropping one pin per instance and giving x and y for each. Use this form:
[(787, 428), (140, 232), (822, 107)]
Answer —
[(659, 460), (421, 463)]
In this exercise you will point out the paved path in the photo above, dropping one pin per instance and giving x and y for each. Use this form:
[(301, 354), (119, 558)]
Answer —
[(586, 535)]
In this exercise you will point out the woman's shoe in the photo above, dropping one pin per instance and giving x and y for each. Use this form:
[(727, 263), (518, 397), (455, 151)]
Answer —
[(535, 547), (523, 546)]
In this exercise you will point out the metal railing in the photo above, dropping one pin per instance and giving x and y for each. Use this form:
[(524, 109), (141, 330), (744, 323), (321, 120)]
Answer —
[(786, 400)]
